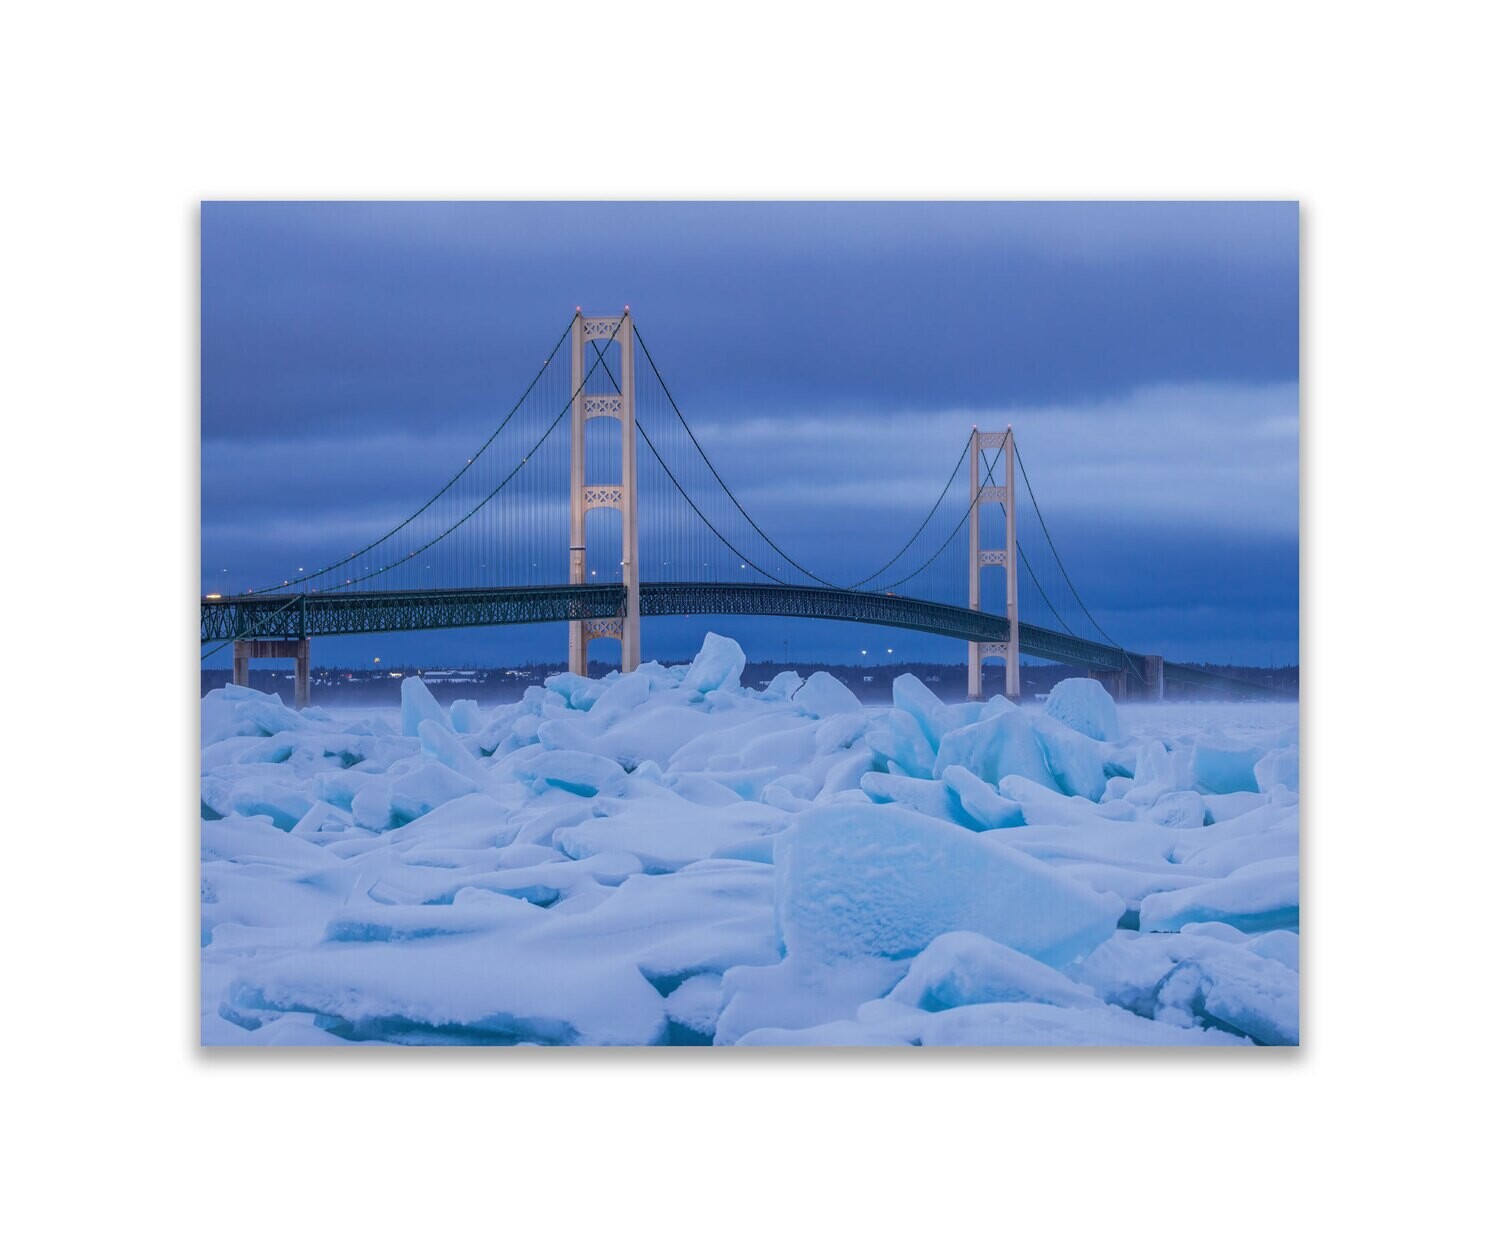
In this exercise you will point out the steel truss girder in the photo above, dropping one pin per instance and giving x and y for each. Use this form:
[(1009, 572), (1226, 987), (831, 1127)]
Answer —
[(350, 614), (1214, 680)]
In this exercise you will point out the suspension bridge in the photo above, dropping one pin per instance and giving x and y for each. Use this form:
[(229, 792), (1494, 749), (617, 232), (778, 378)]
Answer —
[(593, 503)]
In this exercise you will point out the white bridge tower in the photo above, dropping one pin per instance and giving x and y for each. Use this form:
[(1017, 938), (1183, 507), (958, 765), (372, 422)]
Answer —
[(979, 497), (621, 494)]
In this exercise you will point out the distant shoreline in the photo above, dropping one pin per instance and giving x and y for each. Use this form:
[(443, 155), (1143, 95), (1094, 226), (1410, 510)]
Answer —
[(375, 686)]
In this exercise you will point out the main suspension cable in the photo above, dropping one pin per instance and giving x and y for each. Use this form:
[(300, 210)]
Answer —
[(953, 476), (567, 407), (989, 479), (474, 458), (1068, 580), (1041, 593), (646, 350), (744, 558), (722, 484)]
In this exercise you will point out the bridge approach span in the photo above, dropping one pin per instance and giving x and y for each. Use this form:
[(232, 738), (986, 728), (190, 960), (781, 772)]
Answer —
[(296, 616)]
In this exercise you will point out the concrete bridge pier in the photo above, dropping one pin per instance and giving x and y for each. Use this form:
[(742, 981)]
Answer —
[(1115, 682), (1153, 672), (1124, 685), (300, 651)]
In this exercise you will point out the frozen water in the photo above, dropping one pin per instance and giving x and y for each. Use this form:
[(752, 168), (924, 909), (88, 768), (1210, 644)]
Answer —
[(439, 743), (695, 1006), (1280, 766), (994, 748), (419, 706), (1086, 707), (1034, 1025), (926, 796), (236, 711), (1194, 979), (1179, 809), (577, 692), (466, 716), (823, 696), (883, 881), (667, 858), (961, 968), (982, 802), (1221, 767), (665, 831), (717, 666), (1073, 758), (799, 992), (436, 990), (1259, 896), (904, 745), (783, 684), (933, 718)]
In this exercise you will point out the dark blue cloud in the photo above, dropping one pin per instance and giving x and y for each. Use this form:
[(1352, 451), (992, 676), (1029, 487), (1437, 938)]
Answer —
[(352, 351)]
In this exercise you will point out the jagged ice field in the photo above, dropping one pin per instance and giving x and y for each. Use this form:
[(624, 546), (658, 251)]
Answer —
[(666, 857)]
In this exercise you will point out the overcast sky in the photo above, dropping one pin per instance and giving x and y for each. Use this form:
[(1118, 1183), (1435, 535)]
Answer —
[(831, 357)]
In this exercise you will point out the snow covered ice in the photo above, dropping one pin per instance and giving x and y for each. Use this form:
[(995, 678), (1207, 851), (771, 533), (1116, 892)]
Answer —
[(667, 857)]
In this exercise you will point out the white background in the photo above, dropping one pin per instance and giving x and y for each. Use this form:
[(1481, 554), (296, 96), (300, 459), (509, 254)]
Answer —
[(118, 118)]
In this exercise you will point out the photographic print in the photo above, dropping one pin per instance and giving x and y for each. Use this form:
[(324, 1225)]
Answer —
[(792, 624)]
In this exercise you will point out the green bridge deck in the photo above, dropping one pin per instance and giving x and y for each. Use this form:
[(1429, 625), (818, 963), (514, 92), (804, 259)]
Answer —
[(292, 616)]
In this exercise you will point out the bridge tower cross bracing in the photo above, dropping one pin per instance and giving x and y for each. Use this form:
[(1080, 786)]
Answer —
[(981, 496), (584, 496)]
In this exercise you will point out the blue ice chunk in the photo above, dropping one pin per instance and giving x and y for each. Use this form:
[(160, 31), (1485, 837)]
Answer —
[(1073, 758), (466, 715), (578, 692), (1262, 896), (443, 746), (782, 686), (824, 696), (422, 790), (282, 803), (994, 748), (583, 774), (934, 718), (1280, 766), (962, 968), (755, 849), (1179, 809), (1199, 979), (997, 705), (1085, 706), (903, 742), (862, 880), (927, 796), (237, 711), (718, 665), (418, 705), (982, 802), (621, 696), (1223, 767)]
